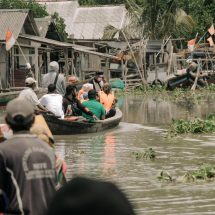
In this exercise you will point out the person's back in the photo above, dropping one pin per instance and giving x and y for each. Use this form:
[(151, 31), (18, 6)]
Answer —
[(49, 78), (53, 101), (27, 176), (28, 167), (94, 106)]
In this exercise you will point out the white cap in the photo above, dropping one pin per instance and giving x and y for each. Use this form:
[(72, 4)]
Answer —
[(189, 61), (29, 81)]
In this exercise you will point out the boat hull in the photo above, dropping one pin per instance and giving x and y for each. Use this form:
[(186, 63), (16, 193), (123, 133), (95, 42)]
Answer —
[(63, 127)]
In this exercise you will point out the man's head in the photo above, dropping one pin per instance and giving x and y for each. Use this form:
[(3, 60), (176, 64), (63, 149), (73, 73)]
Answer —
[(83, 196), (30, 82), (19, 114), (51, 88), (53, 66), (92, 94), (71, 90), (99, 76)]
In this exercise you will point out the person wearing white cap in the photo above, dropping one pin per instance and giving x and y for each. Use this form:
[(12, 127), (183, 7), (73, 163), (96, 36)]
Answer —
[(27, 164), (29, 94), (53, 77)]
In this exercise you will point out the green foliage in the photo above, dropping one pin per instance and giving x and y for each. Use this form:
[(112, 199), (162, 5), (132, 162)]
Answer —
[(37, 9), (205, 171), (147, 154), (193, 126), (100, 2), (202, 12), (60, 25)]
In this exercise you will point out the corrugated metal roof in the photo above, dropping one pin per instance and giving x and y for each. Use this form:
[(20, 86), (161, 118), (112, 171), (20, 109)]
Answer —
[(17, 21), (65, 9), (12, 20), (80, 48), (89, 22), (53, 42)]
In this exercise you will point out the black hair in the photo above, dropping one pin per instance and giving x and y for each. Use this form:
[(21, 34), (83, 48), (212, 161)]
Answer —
[(92, 94), (51, 88), (71, 89), (20, 123), (83, 196)]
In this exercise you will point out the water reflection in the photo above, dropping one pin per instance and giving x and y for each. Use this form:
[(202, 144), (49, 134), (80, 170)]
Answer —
[(109, 159), (155, 110)]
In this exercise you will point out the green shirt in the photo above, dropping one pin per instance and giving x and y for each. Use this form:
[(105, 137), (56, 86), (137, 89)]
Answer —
[(95, 107)]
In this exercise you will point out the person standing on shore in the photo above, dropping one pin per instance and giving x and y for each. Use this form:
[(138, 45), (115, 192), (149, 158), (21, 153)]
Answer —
[(27, 164)]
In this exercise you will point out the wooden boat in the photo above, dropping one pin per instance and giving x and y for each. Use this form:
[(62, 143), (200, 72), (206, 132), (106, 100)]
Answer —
[(63, 127)]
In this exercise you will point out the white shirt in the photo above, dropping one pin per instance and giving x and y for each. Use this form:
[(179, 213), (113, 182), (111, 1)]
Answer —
[(30, 95), (54, 103)]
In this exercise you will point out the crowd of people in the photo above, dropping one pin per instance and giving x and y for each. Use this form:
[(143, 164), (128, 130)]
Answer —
[(32, 176), (94, 101)]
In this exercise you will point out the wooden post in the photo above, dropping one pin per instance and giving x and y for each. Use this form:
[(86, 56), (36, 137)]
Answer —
[(12, 68), (135, 61), (66, 62), (170, 61), (106, 70), (36, 66)]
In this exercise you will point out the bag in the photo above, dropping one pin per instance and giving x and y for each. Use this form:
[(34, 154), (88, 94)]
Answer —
[(55, 81)]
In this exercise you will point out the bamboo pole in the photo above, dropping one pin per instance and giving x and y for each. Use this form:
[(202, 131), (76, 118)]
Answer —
[(135, 61)]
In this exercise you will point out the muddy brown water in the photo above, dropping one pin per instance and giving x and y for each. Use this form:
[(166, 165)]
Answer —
[(108, 155)]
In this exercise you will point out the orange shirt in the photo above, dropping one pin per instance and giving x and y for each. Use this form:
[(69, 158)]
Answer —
[(106, 100)]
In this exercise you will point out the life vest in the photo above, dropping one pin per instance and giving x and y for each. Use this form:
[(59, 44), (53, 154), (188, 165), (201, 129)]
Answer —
[(106, 100)]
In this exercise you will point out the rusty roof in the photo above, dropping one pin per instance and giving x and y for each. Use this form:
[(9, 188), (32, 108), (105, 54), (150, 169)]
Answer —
[(17, 21)]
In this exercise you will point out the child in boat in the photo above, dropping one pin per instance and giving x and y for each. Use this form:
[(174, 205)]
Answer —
[(83, 92)]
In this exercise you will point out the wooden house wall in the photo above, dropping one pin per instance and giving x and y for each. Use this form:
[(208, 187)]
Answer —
[(3, 67)]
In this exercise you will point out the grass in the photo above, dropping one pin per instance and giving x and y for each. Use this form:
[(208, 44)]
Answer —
[(147, 154), (194, 126), (205, 172)]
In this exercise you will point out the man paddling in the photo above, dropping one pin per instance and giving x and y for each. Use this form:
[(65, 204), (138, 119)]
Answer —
[(29, 94), (27, 164)]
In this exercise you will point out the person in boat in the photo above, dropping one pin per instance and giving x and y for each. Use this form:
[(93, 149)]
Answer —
[(108, 100), (29, 94), (94, 106), (97, 81), (27, 164), (43, 133), (53, 101), (71, 105), (84, 196), (53, 77), (83, 92)]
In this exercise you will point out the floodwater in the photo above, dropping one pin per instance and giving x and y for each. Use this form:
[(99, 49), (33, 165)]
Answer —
[(108, 155)]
